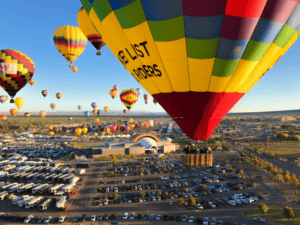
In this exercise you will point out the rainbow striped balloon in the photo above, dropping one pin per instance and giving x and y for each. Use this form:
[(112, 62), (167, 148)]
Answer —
[(129, 97), (197, 58)]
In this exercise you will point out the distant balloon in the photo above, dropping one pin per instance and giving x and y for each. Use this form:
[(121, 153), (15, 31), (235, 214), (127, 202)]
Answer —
[(127, 128), (79, 107), (139, 91), (84, 130), (53, 105), (3, 117), (132, 125), (58, 95), (3, 98), (51, 133), (106, 108), (44, 93), (78, 131), (113, 93), (129, 97), (42, 114), (124, 111), (70, 42), (130, 120), (31, 82), (97, 120), (115, 87), (16, 70), (155, 122), (95, 112), (146, 98), (13, 112), (70, 118), (86, 114), (74, 69), (154, 101), (94, 105), (27, 115)]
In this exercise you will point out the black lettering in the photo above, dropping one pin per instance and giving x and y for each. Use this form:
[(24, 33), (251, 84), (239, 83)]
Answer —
[(147, 71), (123, 58), (151, 70), (138, 74), (157, 70), (133, 58), (142, 72), (144, 45), (135, 77), (136, 47)]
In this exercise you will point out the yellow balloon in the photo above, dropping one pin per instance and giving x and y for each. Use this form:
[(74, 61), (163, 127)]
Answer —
[(97, 120), (84, 130), (78, 131), (96, 134), (19, 102), (106, 108), (51, 133)]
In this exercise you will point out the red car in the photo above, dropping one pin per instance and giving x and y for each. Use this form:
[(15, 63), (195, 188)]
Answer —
[(72, 193)]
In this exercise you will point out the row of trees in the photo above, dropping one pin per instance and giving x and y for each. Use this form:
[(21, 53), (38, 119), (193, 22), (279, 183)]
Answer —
[(286, 137), (261, 150), (288, 212)]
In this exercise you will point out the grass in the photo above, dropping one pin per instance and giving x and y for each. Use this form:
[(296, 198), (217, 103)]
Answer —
[(275, 215), (283, 148), (80, 145)]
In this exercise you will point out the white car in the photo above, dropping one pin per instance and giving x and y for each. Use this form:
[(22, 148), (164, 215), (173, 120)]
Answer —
[(220, 222), (48, 219), (199, 206), (158, 216), (205, 221), (132, 216), (191, 220), (28, 218), (125, 217), (183, 218), (100, 203), (93, 218), (62, 219), (213, 221), (105, 202)]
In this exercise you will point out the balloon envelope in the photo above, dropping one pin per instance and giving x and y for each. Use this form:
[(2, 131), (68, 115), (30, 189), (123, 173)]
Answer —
[(53, 105), (27, 114), (78, 131), (113, 93), (44, 93), (19, 102), (13, 112), (58, 95), (42, 114), (94, 105), (31, 82), (3, 98), (79, 107), (74, 69), (84, 130), (106, 108), (86, 114), (197, 58), (129, 97)]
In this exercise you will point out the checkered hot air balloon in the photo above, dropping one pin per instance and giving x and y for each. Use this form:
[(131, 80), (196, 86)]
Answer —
[(16, 70), (197, 58), (13, 112)]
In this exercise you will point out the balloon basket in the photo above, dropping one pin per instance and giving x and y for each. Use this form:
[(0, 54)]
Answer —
[(12, 101), (70, 65), (98, 53)]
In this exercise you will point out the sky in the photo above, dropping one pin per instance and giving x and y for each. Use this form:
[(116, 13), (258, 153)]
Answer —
[(28, 26)]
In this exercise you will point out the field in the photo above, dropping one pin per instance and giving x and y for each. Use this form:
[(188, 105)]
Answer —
[(283, 148), (275, 215)]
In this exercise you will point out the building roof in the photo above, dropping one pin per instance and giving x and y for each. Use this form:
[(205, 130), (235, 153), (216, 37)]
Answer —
[(147, 142)]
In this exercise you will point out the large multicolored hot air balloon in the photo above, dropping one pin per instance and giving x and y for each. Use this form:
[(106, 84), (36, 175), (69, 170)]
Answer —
[(113, 93), (86, 114), (106, 108), (95, 112), (139, 91), (14, 112), (27, 115), (197, 58), (79, 107), (3, 117), (58, 95), (42, 114), (31, 82), (154, 101), (129, 97), (70, 42), (94, 105), (19, 102), (16, 70), (53, 105), (44, 93), (89, 30), (146, 98), (3, 98), (115, 87)]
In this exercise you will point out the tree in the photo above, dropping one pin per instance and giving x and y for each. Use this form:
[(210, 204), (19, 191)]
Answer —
[(237, 170), (158, 193), (243, 154), (191, 201), (252, 180), (280, 171), (286, 178), (116, 195), (143, 159), (202, 187), (263, 208), (114, 157), (241, 172), (288, 212), (268, 139), (269, 167), (133, 156), (143, 194), (105, 197), (275, 171), (293, 175), (186, 190), (112, 173), (114, 161), (161, 158), (142, 170), (225, 147), (166, 194), (286, 172), (180, 201), (294, 181)]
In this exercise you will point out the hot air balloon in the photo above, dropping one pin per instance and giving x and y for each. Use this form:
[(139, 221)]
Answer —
[(106, 108), (58, 95), (127, 128), (51, 133), (97, 120), (154, 101), (44, 93), (132, 125), (74, 69), (3, 98), (115, 87), (13, 112), (31, 82), (146, 98), (107, 130), (95, 111), (78, 131), (89, 30), (197, 58), (139, 91), (70, 118), (70, 42), (113, 93), (3, 117), (53, 105), (42, 114), (27, 115), (79, 107), (129, 97), (86, 114), (16, 70), (130, 120), (94, 105), (19, 102), (124, 111), (50, 128), (155, 122), (84, 130)]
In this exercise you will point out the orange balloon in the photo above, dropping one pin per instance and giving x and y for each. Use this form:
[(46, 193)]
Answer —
[(74, 69)]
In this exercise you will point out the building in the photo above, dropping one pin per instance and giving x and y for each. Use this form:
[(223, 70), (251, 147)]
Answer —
[(287, 118), (203, 157)]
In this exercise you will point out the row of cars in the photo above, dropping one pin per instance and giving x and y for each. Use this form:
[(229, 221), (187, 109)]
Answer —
[(31, 219)]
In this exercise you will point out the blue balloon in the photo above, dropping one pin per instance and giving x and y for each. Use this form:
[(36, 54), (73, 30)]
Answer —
[(86, 114), (94, 105)]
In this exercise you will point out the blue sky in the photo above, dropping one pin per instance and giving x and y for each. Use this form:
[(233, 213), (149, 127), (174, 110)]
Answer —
[(28, 26)]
